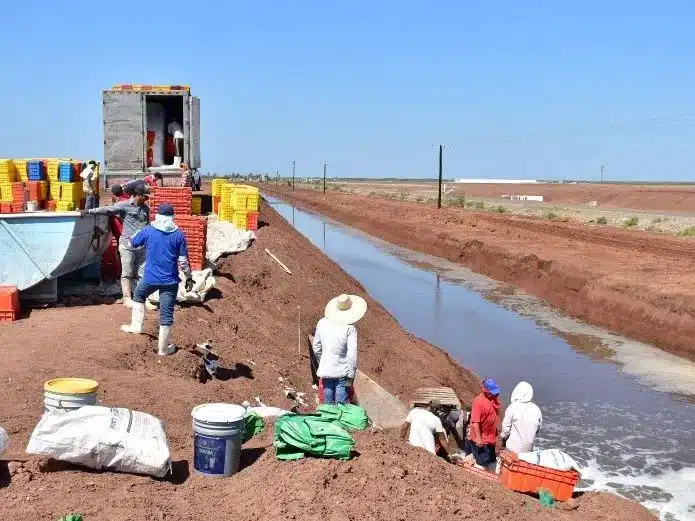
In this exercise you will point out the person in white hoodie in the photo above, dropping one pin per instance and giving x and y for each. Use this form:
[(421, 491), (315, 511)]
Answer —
[(522, 420)]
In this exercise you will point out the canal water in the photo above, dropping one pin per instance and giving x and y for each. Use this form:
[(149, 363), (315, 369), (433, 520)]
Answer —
[(624, 410)]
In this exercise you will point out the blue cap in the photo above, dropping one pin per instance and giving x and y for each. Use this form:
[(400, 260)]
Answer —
[(491, 386), (166, 209)]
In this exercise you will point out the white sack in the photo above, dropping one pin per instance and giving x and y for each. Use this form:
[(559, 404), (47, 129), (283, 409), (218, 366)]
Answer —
[(551, 458), (224, 237), (266, 411), (203, 281), (102, 437), (4, 440)]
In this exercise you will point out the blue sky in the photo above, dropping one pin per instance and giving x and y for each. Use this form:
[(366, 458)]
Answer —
[(369, 86)]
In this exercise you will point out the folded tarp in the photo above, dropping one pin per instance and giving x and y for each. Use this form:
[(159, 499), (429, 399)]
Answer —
[(346, 415), (297, 436)]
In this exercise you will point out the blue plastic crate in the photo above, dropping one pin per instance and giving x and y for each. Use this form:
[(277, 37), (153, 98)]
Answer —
[(65, 172), (35, 171)]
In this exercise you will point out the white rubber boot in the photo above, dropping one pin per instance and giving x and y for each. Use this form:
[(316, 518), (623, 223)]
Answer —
[(137, 319), (164, 347), (127, 289)]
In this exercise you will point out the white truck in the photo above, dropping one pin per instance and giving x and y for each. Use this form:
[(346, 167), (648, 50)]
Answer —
[(136, 121)]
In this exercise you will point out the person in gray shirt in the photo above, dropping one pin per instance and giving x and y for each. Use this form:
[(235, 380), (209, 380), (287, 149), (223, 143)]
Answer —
[(135, 215)]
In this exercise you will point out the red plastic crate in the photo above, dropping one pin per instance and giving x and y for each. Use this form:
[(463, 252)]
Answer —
[(51, 205), (17, 207), (34, 189), (518, 475), (150, 137), (216, 204), (5, 207), (9, 303), (17, 192), (252, 221)]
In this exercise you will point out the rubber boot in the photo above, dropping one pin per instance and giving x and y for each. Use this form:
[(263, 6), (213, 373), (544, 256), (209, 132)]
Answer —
[(127, 289), (137, 319), (164, 347)]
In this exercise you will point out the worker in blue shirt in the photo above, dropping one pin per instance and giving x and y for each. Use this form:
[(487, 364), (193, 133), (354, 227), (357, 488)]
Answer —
[(166, 251)]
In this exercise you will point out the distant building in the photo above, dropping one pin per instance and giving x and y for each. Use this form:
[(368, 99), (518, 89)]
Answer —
[(497, 181)]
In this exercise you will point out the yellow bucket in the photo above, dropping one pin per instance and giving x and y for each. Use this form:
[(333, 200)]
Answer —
[(68, 394)]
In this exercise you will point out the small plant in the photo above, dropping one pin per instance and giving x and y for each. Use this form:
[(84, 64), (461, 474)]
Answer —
[(403, 195), (687, 232), (550, 215), (499, 209), (657, 220), (419, 199), (479, 205), (631, 222), (601, 220), (458, 202)]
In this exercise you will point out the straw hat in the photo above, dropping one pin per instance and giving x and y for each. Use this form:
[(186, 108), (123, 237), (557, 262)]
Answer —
[(346, 309)]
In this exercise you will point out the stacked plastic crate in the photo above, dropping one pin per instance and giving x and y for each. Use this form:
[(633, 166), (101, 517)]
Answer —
[(8, 175), (69, 191), (20, 166), (181, 198), (9, 303), (217, 185), (195, 228), (239, 204)]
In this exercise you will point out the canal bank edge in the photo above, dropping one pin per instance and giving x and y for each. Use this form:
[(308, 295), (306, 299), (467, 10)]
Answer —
[(637, 310)]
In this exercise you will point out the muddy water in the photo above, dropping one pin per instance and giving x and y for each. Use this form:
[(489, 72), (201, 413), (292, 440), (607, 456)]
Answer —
[(625, 411)]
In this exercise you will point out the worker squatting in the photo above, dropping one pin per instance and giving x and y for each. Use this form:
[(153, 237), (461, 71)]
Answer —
[(335, 347)]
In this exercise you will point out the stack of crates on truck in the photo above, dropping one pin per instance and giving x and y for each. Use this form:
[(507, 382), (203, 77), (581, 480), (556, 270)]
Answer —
[(181, 198), (239, 204), (37, 192), (8, 175), (36, 170), (195, 228), (70, 196)]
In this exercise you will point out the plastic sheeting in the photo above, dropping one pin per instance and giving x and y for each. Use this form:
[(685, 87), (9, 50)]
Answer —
[(551, 458), (203, 281), (224, 238)]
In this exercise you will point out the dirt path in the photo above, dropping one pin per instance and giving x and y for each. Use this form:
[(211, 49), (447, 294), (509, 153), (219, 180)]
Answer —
[(634, 283), (252, 321)]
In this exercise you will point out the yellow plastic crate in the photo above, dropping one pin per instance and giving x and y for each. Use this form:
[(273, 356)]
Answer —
[(253, 201), (196, 205), (239, 220), (65, 206), (8, 173), (71, 192), (217, 185), (54, 190), (5, 192), (227, 192), (226, 214), (52, 169), (20, 166), (44, 190)]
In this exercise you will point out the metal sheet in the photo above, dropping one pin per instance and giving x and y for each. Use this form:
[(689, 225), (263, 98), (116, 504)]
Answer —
[(195, 132), (124, 131)]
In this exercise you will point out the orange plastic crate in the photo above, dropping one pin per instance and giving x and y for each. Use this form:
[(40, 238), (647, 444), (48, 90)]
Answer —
[(17, 207), (17, 192), (5, 207), (51, 205), (252, 221), (216, 204), (518, 475), (9, 303), (35, 190)]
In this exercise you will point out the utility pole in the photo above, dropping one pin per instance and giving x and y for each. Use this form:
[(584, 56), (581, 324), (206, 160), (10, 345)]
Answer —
[(602, 168), (277, 177), (293, 165), (324, 177), (439, 196)]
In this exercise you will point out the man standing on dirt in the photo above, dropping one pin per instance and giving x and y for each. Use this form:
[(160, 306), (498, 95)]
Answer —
[(166, 251), (135, 215), (424, 426), (335, 346), (482, 432)]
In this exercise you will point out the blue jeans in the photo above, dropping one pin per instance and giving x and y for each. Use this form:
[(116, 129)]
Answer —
[(167, 299), (484, 456), (334, 390)]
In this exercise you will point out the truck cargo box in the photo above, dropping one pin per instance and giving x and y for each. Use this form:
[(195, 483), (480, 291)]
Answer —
[(128, 115)]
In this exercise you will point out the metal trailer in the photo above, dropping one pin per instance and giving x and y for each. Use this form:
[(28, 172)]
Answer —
[(125, 131)]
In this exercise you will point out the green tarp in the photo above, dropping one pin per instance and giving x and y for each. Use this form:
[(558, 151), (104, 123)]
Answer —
[(346, 415), (253, 424), (297, 436)]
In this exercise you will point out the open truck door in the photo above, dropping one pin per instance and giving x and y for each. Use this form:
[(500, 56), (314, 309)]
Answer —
[(124, 128), (194, 132)]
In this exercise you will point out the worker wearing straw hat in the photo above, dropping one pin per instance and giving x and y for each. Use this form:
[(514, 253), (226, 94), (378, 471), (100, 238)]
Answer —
[(335, 346)]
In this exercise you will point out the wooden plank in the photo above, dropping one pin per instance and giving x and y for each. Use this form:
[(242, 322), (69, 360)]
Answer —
[(445, 395)]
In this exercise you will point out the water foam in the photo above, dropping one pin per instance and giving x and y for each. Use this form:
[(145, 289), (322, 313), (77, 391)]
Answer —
[(671, 494)]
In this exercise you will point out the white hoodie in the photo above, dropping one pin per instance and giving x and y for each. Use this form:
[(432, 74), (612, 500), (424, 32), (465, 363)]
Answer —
[(522, 420)]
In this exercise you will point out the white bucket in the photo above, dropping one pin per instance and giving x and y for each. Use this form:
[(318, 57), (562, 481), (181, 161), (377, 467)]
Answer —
[(218, 430), (32, 206), (68, 394)]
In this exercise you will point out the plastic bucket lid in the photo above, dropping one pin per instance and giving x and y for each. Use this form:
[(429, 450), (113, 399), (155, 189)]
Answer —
[(71, 386), (218, 413)]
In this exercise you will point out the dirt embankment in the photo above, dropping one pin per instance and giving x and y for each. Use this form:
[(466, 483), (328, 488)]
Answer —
[(634, 283), (252, 321)]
